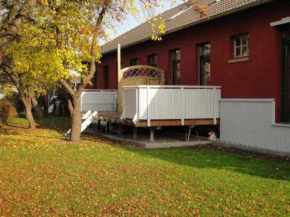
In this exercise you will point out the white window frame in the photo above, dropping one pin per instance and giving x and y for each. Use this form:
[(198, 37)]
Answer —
[(241, 46)]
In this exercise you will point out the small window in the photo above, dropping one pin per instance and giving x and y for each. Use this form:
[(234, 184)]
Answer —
[(152, 60), (134, 62), (241, 46)]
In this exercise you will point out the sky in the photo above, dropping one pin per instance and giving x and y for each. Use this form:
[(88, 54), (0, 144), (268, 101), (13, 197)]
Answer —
[(131, 22)]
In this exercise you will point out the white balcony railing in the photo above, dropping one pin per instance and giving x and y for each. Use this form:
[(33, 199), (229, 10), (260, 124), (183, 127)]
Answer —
[(99, 100), (148, 102)]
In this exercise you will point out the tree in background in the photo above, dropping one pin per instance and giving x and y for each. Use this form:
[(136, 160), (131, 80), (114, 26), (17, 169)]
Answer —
[(28, 64)]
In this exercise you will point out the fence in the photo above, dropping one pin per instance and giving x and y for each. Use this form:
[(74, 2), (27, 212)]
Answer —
[(99, 100), (149, 102), (251, 122)]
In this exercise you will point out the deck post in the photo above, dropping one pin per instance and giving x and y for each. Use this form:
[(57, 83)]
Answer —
[(99, 125), (151, 134), (214, 116), (108, 127), (182, 106), (120, 129), (148, 105), (135, 133)]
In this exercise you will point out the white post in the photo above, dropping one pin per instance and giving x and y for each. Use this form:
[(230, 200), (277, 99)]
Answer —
[(120, 76), (182, 106), (137, 103), (124, 104), (148, 105), (214, 100)]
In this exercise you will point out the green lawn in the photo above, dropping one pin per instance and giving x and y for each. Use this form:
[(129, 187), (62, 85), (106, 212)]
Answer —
[(42, 174)]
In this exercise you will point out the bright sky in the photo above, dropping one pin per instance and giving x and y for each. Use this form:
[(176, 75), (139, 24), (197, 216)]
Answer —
[(131, 22)]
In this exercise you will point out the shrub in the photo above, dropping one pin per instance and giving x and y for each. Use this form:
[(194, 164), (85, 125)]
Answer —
[(7, 112)]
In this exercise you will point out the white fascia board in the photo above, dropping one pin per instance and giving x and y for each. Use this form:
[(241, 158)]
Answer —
[(283, 21)]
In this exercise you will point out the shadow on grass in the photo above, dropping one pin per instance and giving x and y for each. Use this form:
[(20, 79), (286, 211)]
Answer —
[(51, 122), (203, 157), (233, 160)]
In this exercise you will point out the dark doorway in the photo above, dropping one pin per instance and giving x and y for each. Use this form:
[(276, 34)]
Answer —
[(286, 81), (106, 77), (204, 64)]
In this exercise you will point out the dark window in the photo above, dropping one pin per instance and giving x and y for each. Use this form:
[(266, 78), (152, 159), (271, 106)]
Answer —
[(134, 62), (286, 33), (176, 73), (204, 64), (152, 60), (106, 77), (241, 46)]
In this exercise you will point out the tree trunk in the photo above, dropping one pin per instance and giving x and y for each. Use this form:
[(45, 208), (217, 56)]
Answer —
[(28, 112), (76, 124), (37, 108), (70, 107)]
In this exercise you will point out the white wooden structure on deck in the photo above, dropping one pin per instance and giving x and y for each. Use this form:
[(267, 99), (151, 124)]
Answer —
[(99, 100), (178, 105)]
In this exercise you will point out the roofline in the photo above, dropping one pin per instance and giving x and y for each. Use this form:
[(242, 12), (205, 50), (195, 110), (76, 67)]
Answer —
[(195, 23)]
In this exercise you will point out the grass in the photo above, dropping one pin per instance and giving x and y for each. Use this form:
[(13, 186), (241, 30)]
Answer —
[(42, 174)]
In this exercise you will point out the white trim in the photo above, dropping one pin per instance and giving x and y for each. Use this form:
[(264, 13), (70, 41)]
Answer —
[(247, 100), (283, 21), (172, 86), (281, 125)]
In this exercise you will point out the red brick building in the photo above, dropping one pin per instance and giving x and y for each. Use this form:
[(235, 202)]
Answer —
[(237, 48)]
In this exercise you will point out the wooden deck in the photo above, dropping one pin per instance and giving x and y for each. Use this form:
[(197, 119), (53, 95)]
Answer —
[(115, 117)]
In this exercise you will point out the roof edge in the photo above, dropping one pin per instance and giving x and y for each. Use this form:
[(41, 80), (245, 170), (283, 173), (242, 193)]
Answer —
[(195, 23)]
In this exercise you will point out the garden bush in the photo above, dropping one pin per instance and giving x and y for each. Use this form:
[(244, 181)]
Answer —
[(7, 112)]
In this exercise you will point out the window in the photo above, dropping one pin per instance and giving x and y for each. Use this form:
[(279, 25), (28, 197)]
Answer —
[(96, 77), (152, 60), (241, 46), (134, 62), (106, 77), (176, 73), (286, 33), (204, 64)]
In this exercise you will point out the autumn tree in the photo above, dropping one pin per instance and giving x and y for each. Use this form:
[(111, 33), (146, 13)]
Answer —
[(28, 65), (73, 29), (77, 27), (13, 13)]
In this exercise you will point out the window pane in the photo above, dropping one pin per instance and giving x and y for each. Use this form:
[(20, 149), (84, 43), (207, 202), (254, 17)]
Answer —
[(204, 49), (176, 72), (245, 39), (238, 41), (134, 62), (245, 51), (152, 60), (286, 33), (241, 46), (238, 52), (176, 55)]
